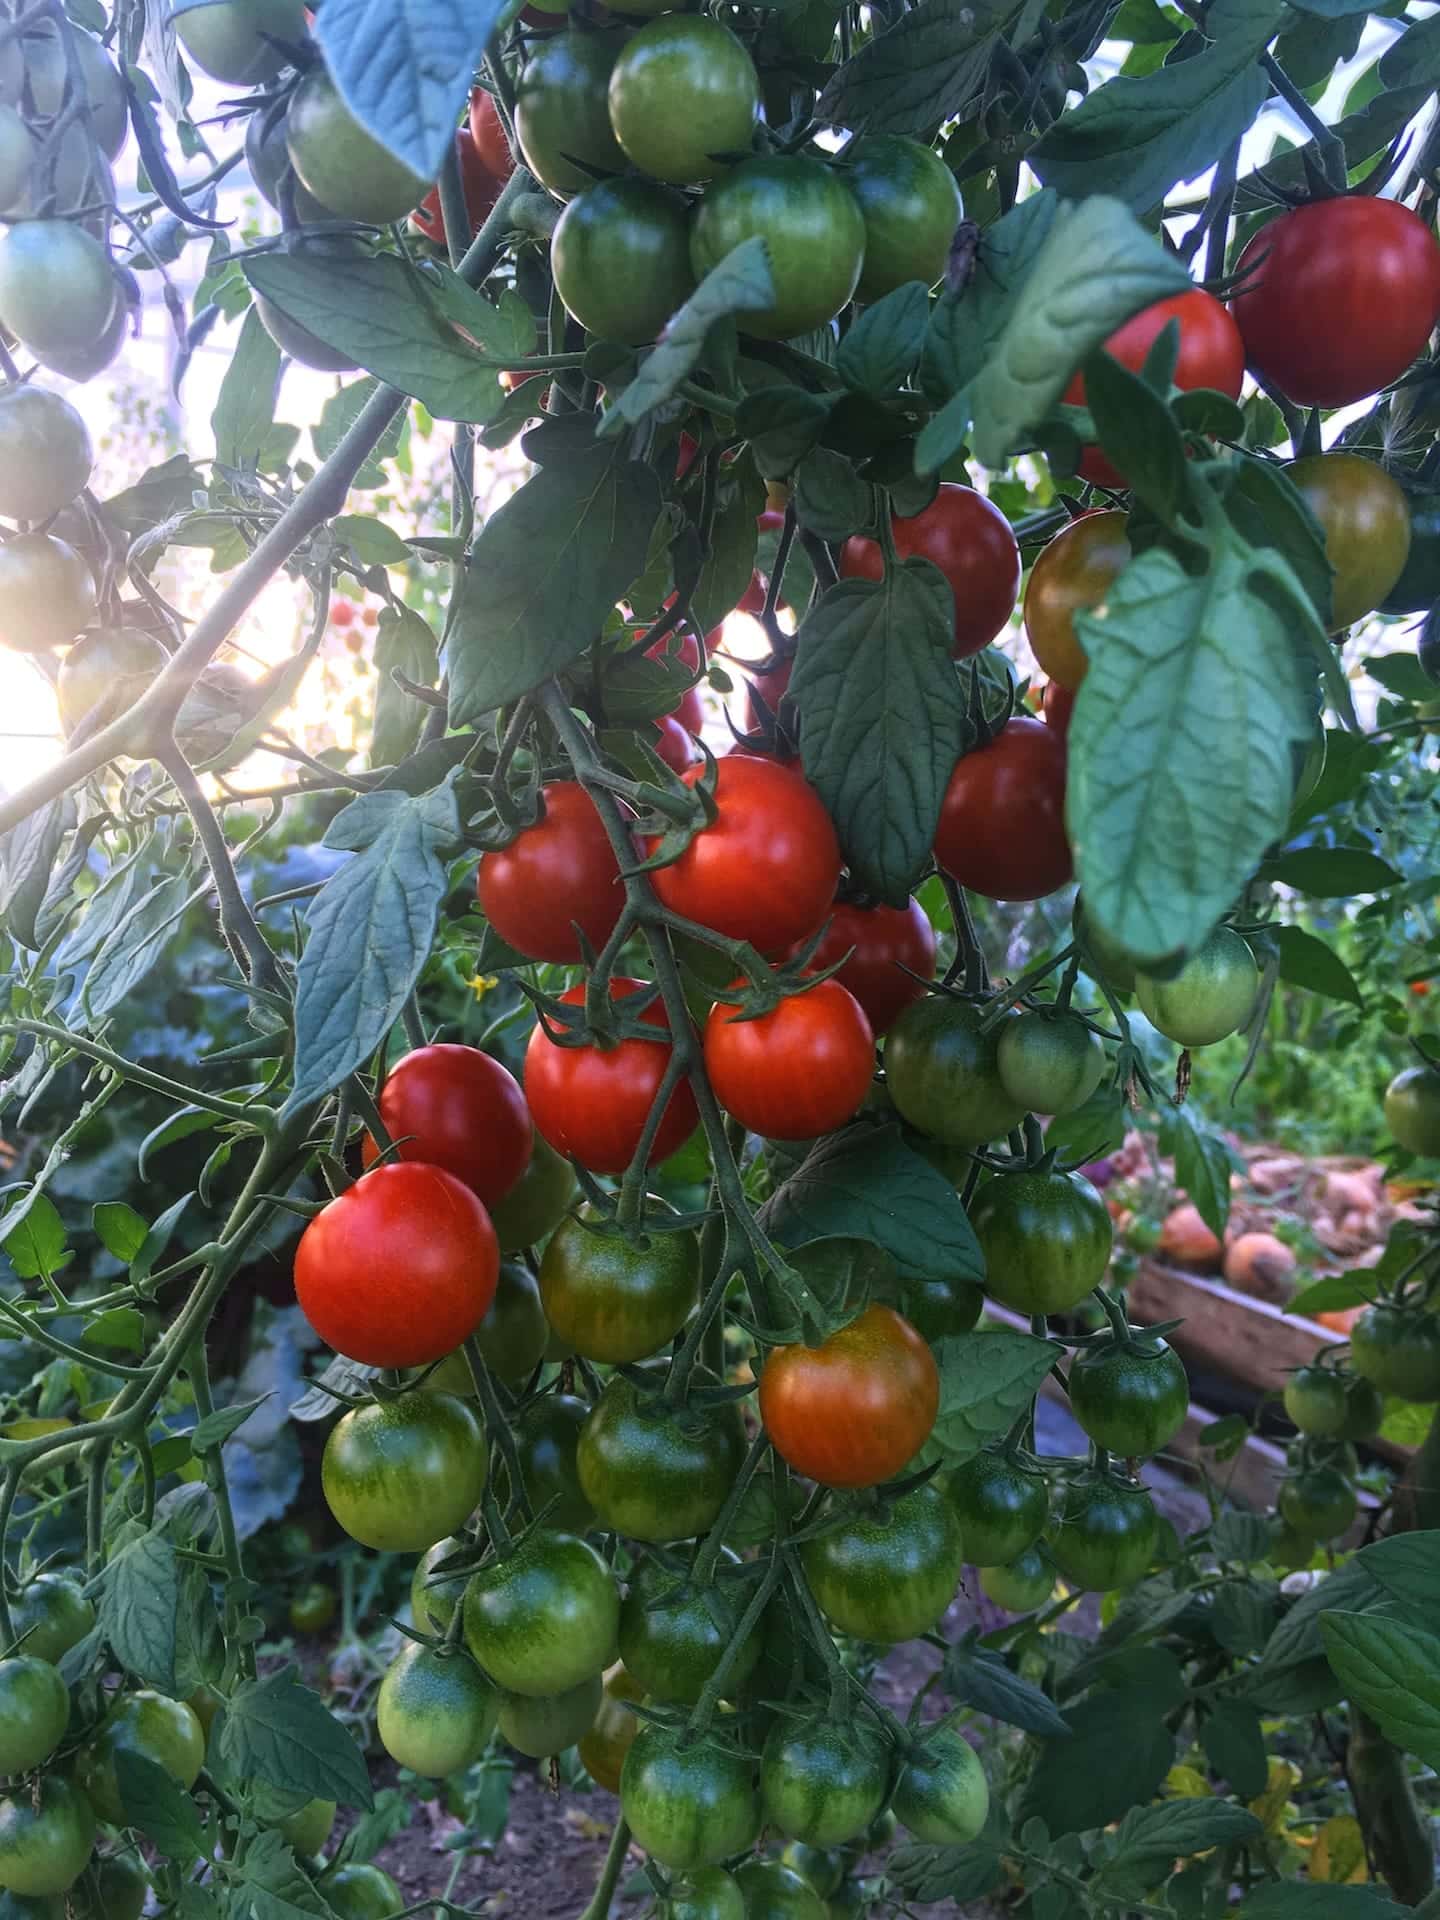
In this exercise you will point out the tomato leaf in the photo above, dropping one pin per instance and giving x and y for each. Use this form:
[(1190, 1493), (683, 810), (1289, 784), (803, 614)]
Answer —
[(882, 718), (1169, 817), (782, 424), (1113, 1758), (155, 1804), (121, 1229), (1095, 268), (885, 342), (981, 1679), (1306, 961), (544, 573), (1335, 1290), (1295, 1646), (33, 1236), (830, 497), (930, 1874), (1136, 137), (27, 855), (121, 1327), (137, 1609), (1234, 1745), (966, 322), (1296, 1900), (403, 644), (726, 568), (245, 410), (138, 943), (1331, 873), (929, 67), (1392, 1672), (1151, 1839), (1138, 431), (274, 1886), (1203, 1165), (1407, 1565), (283, 1733), (370, 930), (987, 1379)]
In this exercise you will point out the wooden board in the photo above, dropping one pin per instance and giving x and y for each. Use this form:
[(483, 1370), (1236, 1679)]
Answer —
[(1247, 1340)]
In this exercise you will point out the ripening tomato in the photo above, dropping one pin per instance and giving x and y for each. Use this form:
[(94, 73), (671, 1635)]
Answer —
[(487, 130), (797, 1072), (1106, 1534), (887, 946), (888, 1575), (1002, 821), (557, 875), (342, 613), (852, 1411), (1365, 519), (1057, 703), (454, 1107), (399, 1475), (973, 545), (766, 867), (1211, 354), (1337, 298), (1071, 575), (542, 1617), (674, 743), (400, 1269), (480, 186), (591, 1102), (690, 1803)]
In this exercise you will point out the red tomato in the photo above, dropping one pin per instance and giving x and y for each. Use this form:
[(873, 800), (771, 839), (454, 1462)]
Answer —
[(370, 614), (1002, 821), (685, 454), (972, 544), (798, 1072), (765, 870), (342, 613), (559, 871), (481, 187), (592, 1104), (400, 1269), (454, 1107), (1057, 704), (1212, 354), (674, 743), (689, 713), (487, 130), (886, 940), (853, 1411), (1338, 298)]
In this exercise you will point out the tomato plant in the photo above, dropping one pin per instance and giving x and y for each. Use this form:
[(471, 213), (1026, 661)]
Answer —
[(1002, 1504), (34, 1709), (968, 538), (541, 1617), (941, 1794), (1130, 1396), (852, 1411), (562, 115), (683, 92), (823, 1783), (621, 259), (890, 1577), (813, 230), (942, 1071), (1209, 998), (688, 1805), (1073, 573), (1105, 1535), (651, 1474), (1365, 519), (1045, 1236), (911, 207)]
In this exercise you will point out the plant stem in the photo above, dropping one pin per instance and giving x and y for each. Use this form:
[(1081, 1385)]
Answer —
[(599, 1905), (213, 1467)]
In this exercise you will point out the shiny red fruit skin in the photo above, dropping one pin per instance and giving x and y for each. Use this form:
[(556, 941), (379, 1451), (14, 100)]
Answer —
[(1338, 298), (457, 1108), (675, 743), (488, 132), (591, 1105), (481, 187), (342, 613), (852, 1411), (972, 544), (1057, 703), (1212, 354), (886, 940), (1002, 821), (400, 1269), (562, 869), (798, 1072)]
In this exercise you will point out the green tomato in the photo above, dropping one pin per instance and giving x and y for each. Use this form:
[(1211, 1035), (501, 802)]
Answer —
[(684, 95), (228, 41), (17, 157), (562, 117), (536, 1206), (433, 1603), (112, 1887), (1412, 1110), (621, 259), (146, 1723), (774, 1891), (307, 1830), (1315, 1401), (46, 1833), (942, 1794), (823, 1867), (1133, 1399), (542, 1617), (289, 335), (268, 159), (944, 1074), (1099, 955), (399, 1475), (1002, 1507), (547, 1444), (1049, 1063), (1106, 1534), (83, 363), (1022, 1586), (359, 1892), (911, 208), (1365, 519), (812, 227), (710, 1893), (1398, 1351), (313, 1607), (542, 1724), (47, 68), (512, 1337), (1318, 1503), (34, 1712), (823, 1781), (435, 1712), (58, 290), (652, 1473), (45, 454), (50, 1616), (46, 592), (689, 1802), (1046, 1237), (939, 1309), (610, 1298), (105, 673), (889, 1577), (673, 1633), (343, 165), (1210, 998)]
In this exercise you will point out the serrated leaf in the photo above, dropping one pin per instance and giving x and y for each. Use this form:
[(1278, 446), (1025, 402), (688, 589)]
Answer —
[(1268, 508), (137, 1609), (1095, 268), (982, 1680), (1151, 1839), (285, 1734), (275, 1887), (1331, 873), (726, 568), (346, 1376), (885, 342), (1234, 1744), (1293, 1900), (1392, 1671), (1115, 1756), (404, 644), (158, 1807), (741, 283), (1407, 1565), (928, 1874), (1203, 1165), (1139, 432), (122, 1328), (245, 410), (929, 67), (987, 1379), (1295, 1648), (340, 413), (143, 934), (965, 325), (882, 718), (370, 930), (830, 497), (121, 1229), (33, 1236), (27, 856), (1306, 961), (545, 571), (1335, 1290)]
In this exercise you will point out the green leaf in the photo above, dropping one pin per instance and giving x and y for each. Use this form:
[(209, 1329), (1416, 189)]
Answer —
[(1295, 1647), (1402, 675), (145, 933), (1151, 1839), (370, 930), (403, 644), (987, 1379), (1243, 1616), (394, 321), (929, 67), (1290, 1900), (1234, 1745), (1203, 1165), (1335, 1291), (866, 1184), (830, 497), (741, 283), (930, 1874), (121, 1229), (157, 1240), (245, 410), (1116, 1754), (1136, 137), (215, 1429), (158, 1807), (1095, 268), (882, 718), (543, 575), (1392, 1671), (965, 326), (978, 1678), (275, 1887), (943, 435), (782, 424), (1334, 9), (726, 569), (371, 541), (1138, 431), (1169, 819), (137, 1609), (1306, 961), (27, 858), (1407, 1565), (33, 1236), (119, 1327), (1331, 873), (885, 342), (173, 1128), (1091, 1130), (284, 1733)]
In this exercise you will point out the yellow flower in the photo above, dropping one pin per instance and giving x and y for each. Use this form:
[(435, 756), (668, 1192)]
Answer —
[(481, 983)]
